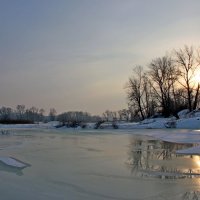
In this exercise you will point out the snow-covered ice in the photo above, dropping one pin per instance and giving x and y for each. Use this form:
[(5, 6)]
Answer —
[(12, 162)]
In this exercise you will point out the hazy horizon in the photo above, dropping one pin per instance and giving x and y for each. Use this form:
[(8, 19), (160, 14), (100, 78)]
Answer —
[(78, 55)]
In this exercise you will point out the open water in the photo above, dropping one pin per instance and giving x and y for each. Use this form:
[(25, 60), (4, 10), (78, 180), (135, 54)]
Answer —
[(96, 165)]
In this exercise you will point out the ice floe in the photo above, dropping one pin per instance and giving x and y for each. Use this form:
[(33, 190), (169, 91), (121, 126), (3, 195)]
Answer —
[(12, 162)]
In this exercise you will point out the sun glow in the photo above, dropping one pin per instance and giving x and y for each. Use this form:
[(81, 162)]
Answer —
[(196, 78), (197, 160)]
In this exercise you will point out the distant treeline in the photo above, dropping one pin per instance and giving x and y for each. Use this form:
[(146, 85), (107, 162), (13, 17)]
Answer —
[(166, 85), (23, 115)]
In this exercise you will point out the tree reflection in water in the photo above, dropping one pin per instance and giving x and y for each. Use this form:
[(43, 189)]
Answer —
[(193, 195), (153, 158)]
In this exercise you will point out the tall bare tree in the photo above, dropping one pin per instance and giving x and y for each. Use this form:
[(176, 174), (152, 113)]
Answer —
[(52, 114), (139, 93), (109, 115), (124, 114), (5, 113), (188, 61), (20, 111), (163, 74)]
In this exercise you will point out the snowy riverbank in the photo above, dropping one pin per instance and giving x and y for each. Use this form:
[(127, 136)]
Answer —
[(187, 120)]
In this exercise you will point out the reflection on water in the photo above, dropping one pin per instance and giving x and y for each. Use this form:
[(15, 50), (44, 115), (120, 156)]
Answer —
[(10, 169), (193, 195), (153, 158)]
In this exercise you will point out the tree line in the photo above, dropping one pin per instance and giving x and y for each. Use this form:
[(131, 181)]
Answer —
[(23, 115), (166, 85)]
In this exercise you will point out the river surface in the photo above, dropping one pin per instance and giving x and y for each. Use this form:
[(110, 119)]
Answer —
[(96, 165)]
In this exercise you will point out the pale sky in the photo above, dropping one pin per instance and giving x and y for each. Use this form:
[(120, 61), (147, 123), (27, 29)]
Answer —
[(78, 54)]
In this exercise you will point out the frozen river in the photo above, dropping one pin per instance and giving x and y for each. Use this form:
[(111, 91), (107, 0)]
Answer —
[(103, 165)]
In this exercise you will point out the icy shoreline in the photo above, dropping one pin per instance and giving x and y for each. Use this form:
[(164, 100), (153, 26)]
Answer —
[(189, 122)]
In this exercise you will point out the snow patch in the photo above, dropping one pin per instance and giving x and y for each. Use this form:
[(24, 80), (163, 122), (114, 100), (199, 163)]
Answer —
[(183, 113), (13, 162), (190, 123)]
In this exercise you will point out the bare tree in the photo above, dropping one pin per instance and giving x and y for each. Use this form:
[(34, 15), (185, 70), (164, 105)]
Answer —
[(76, 118), (135, 89), (139, 93), (124, 115), (110, 115), (5, 113), (52, 114), (164, 75), (150, 103), (41, 114), (20, 111), (32, 114), (188, 62)]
